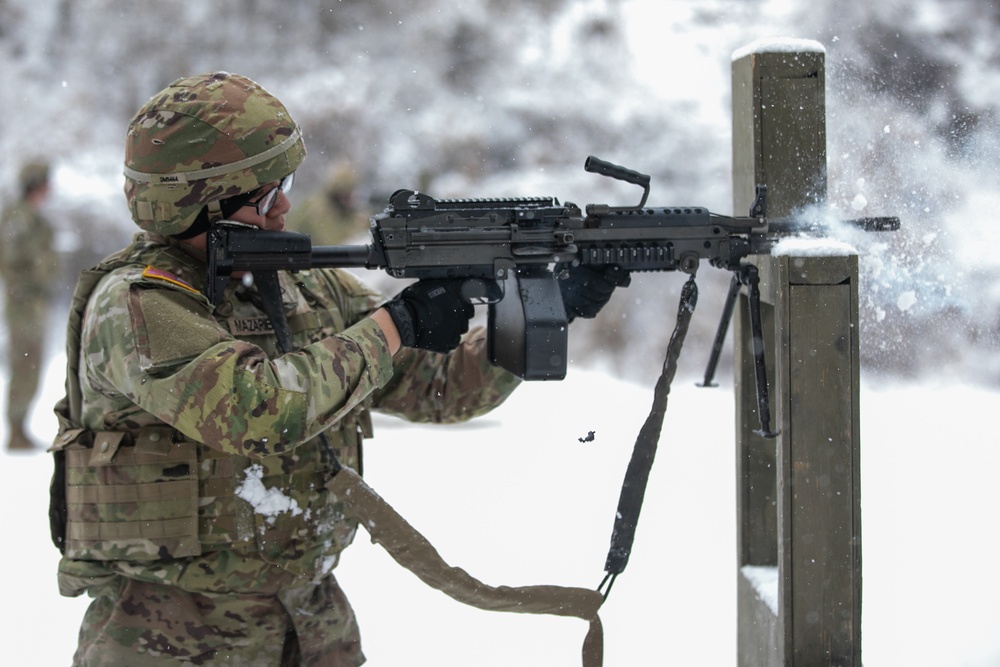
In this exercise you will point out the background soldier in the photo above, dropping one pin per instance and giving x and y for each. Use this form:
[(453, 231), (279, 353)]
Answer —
[(29, 270), (331, 216), (190, 496)]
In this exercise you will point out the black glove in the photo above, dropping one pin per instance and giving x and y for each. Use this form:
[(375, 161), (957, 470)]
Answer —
[(431, 314), (585, 289)]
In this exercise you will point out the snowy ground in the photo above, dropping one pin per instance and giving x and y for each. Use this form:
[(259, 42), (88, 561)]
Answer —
[(515, 498)]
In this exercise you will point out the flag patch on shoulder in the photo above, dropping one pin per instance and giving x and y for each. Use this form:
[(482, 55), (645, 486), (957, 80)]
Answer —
[(159, 274)]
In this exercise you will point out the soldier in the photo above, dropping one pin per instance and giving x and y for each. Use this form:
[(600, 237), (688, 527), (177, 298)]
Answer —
[(189, 497), (331, 216), (28, 268)]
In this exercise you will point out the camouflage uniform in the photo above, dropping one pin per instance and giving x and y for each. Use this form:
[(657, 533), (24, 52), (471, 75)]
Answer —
[(196, 507), (29, 269)]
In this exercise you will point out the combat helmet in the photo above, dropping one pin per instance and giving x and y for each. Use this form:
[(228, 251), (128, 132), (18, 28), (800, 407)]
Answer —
[(202, 140)]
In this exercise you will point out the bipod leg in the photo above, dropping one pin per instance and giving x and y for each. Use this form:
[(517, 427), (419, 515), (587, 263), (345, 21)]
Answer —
[(750, 278), (720, 332)]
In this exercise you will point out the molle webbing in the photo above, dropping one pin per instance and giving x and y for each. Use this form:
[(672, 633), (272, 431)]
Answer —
[(146, 497)]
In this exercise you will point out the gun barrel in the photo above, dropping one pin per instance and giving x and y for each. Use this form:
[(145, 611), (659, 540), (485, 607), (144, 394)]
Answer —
[(873, 224), (342, 256), (881, 224)]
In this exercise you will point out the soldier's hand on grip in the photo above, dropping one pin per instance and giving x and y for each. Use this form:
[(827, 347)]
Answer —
[(431, 314), (585, 289)]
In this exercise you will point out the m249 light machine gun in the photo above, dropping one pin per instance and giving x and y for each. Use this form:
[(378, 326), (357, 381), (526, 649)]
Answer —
[(511, 252)]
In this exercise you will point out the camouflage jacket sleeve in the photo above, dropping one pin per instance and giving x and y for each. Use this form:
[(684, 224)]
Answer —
[(446, 388), (160, 349), (432, 387)]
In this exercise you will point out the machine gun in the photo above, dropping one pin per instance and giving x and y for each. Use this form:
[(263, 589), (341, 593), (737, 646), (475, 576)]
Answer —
[(511, 252)]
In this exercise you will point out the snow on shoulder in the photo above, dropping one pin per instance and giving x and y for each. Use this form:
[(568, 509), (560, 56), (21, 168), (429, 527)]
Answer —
[(806, 247), (779, 45)]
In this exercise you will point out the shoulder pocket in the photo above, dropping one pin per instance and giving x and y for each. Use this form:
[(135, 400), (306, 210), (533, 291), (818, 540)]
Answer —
[(171, 326)]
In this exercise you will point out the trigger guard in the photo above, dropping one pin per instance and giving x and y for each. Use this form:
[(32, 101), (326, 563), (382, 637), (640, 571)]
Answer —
[(479, 291)]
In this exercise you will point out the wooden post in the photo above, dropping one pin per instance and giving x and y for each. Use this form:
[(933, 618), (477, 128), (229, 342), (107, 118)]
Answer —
[(798, 495)]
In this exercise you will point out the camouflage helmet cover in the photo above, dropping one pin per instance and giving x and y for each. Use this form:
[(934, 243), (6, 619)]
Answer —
[(202, 139)]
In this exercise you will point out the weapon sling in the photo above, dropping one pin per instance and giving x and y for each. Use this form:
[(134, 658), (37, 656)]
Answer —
[(637, 473), (413, 551)]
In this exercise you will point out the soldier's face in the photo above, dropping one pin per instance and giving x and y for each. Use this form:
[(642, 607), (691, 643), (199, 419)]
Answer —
[(274, 219)]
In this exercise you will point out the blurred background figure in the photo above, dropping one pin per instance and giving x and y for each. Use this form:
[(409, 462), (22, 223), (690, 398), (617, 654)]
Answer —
[(331, 216), (29, 271)]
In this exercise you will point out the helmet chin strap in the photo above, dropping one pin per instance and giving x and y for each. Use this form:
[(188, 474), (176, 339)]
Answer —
[(214, 209), (209, 215)]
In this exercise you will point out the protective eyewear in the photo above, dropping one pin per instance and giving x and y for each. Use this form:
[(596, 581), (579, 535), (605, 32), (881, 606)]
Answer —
[(266, 201)]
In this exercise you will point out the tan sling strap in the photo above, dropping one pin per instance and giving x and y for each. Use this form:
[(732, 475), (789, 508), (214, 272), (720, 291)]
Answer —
[(412, 550)]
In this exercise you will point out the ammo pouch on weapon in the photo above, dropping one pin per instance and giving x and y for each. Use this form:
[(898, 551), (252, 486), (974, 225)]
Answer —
[(135, 496)]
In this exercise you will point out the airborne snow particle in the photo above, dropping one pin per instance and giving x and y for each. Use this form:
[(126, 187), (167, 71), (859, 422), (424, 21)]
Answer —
[(906, 300)]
